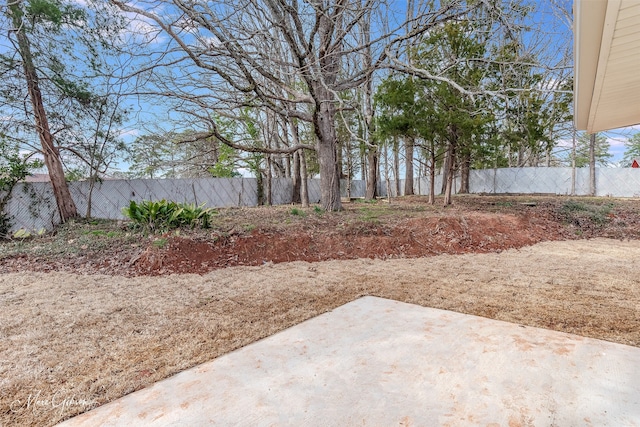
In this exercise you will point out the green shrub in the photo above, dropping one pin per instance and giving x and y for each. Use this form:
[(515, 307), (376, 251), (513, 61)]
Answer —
[(160, 243), (297, 212), (163, 214), (577, 212), (574, 206)]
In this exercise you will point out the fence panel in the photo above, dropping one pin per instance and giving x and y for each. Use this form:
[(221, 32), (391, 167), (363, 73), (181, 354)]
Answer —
[(521, 180), (33, 207), (618, 182), (358, 188)]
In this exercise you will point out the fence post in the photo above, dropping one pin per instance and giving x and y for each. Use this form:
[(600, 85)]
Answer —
[(592, 164), (573, 163)]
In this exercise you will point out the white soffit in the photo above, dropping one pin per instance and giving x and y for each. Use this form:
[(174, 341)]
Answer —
[(607, 64)]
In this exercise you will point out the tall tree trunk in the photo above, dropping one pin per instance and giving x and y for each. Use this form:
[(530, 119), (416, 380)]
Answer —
[(370, 144), (446, 166), (348, 187), (432, 176), (260, 185), (465, 165), (409, 143), (324, 114), (287, 165), (592, 164), (92, 183), (327, 156), (396, 164), (66, 206), (453, 141), (268, 183), (386, 174), (521, 158), (548, 150), (300, 192), (340, 158), (350, 165), (295, 177), (422, 171), (372, 167), (449, 182), (304, 189), (408, 166)]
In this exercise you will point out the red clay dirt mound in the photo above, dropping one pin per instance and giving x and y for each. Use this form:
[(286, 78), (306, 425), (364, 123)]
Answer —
[(414, 237), (408, 227)]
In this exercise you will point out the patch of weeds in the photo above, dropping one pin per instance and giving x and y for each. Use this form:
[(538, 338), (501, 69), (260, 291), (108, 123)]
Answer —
[(5, 224), (160, 242), (23, 234), (297, 212), (318, 210), (370, 215), (579, 213), (366, 201), (248, 227), (98, 229), (110, 234), (574, 206), (74, 237)]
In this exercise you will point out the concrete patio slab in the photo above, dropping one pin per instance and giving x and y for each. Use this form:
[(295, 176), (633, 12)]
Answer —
[(376, 362)]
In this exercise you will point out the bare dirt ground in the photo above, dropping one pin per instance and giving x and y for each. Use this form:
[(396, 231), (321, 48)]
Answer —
[(96, 311)]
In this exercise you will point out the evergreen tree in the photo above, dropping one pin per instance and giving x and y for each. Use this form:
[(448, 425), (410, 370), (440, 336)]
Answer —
[(601, 150), (632, 150), (52, 47)]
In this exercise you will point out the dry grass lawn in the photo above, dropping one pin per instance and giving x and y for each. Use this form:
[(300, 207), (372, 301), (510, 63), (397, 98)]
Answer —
[(71, 342)]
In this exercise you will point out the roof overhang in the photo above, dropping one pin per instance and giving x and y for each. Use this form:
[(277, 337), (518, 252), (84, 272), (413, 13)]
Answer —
[(606, 64)]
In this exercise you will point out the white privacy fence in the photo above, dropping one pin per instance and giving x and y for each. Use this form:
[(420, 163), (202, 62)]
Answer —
[(618, 182), (32, 205)]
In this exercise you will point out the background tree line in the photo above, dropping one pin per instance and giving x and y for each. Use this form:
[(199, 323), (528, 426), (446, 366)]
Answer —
[(342, 89)]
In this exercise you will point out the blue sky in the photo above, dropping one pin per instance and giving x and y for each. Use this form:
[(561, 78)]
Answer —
[(555, 26), (154, 114)]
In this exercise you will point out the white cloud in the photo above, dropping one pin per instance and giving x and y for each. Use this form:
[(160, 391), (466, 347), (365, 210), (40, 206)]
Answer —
[(141, 30), (130, 132), (550, 84), (616, 142), (209, 42)]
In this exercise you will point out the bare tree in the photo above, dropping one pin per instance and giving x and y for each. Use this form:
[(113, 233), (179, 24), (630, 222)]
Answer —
[(295, 60), (66, 206), (53, 65), (292, 58)]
